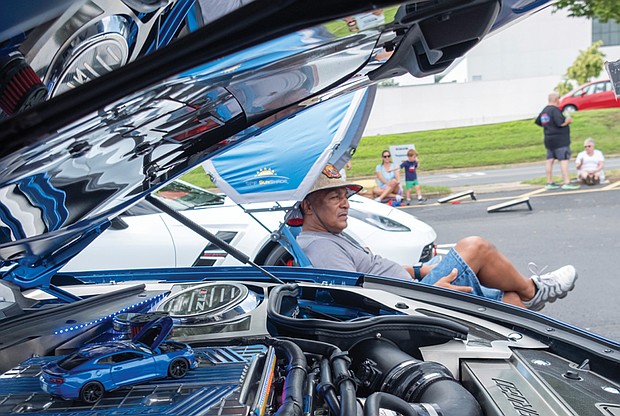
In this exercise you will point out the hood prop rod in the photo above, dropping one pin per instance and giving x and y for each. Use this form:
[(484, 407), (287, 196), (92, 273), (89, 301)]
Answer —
[(197, 228)]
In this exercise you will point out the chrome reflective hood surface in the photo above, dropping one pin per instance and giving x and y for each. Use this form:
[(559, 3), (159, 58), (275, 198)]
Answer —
[(273, 341), (69, 164)]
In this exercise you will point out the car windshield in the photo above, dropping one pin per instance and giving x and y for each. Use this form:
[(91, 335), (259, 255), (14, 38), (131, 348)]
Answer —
[(182, 196)]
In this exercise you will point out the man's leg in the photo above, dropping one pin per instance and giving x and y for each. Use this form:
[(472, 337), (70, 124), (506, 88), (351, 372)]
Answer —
[(564, 169), (549, 170), (495, 270), (583, 175)]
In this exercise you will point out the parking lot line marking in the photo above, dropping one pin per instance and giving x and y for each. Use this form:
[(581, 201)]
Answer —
[(611, 186), (535, 192), (538, 193)]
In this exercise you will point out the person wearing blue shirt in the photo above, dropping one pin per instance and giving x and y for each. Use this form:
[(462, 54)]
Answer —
[(387, 177), (411, 176)]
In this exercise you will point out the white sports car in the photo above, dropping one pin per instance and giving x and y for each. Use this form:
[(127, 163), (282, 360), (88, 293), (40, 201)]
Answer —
[(146, 237)]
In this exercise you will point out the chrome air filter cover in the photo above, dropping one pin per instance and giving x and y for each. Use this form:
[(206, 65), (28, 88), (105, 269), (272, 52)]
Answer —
[(209, 302), (100, 48)]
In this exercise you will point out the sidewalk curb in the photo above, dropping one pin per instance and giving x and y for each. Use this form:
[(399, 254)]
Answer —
[(369, 184)]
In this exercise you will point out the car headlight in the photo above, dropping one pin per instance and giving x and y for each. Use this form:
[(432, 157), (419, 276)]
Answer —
[(379, 221)]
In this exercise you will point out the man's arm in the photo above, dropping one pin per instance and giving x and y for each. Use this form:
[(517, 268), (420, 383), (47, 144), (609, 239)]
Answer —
[(445, 282), (559, 119), (579, 161)]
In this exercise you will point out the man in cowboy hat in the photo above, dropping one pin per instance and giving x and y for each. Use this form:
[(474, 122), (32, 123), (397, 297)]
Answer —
[(474, 265)]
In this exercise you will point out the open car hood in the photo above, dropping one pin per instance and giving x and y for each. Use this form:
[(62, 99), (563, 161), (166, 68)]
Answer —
[(73, 162), (154, 332), (300, 146)]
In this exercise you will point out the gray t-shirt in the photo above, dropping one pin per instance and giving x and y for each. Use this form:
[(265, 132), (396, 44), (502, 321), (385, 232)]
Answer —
[(334, 251)]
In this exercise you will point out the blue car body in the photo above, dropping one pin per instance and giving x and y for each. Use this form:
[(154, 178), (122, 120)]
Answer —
[(117, 363)]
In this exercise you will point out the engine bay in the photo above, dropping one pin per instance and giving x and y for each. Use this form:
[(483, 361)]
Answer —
[(302, 349)]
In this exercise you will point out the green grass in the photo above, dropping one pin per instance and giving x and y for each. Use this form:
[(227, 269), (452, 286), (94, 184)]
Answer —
[(199, 178), (489, 145), (479, 146)]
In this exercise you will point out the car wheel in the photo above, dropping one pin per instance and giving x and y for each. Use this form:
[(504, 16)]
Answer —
[(569, 108), (91, 392), (178, 368), (279, 256)]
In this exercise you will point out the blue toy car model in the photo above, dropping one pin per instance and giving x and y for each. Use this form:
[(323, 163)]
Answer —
[(94, 369)]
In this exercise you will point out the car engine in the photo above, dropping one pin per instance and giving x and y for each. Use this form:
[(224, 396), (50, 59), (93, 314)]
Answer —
[(304, 349)]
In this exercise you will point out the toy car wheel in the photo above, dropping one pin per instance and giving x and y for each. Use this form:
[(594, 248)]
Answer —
[(91, 392), (178, 368)]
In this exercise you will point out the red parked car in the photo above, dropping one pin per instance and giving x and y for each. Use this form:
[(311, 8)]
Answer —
[(596, 94)]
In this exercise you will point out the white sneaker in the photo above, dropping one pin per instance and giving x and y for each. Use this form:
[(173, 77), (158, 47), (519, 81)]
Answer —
[(378, 199), (398, 198), (551, 286)]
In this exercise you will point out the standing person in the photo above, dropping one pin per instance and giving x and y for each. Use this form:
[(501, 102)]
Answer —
[(411, 176), (557, 140), (590, 163), (473, 265), (387, 178)]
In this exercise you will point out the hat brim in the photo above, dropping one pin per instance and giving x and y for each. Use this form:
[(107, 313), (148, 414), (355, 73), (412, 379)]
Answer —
[(352, 188)]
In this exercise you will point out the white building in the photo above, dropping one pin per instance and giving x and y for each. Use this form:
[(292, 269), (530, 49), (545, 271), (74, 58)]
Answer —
[(506, 77)]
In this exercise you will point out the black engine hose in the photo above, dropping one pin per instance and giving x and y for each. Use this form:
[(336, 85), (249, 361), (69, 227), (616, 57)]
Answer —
[(452, 398), (340, 366), (296, 374), (327, 389), (381, 400), (382, 366)]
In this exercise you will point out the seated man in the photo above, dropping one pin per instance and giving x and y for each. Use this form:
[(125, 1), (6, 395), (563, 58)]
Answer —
[(474, 265), (590, 163)]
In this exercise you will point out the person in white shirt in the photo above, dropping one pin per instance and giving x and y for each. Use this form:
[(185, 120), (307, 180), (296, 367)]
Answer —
[(590, 163)]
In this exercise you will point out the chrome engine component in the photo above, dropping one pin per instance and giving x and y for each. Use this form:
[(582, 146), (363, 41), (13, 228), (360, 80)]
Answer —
[(90, 39), (209, 302), (536, 382)]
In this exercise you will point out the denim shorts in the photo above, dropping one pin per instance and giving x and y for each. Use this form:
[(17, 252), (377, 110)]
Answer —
[(465, 276), (561, 153)]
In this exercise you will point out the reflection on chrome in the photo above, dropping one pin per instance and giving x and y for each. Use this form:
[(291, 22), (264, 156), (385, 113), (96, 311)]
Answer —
[(209, 302)]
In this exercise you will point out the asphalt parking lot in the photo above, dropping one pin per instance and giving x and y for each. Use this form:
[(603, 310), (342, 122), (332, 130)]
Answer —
[(564, 227)]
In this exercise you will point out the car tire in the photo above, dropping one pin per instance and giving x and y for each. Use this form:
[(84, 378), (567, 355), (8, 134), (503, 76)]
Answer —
[(279, 256), (178, 368), (91, 392), (569, 108)]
